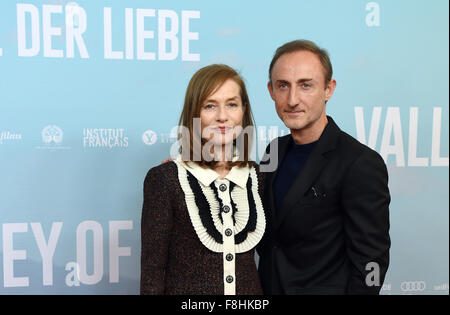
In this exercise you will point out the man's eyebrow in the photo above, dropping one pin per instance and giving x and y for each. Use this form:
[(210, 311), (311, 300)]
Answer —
[(298, 81), (304, 80)]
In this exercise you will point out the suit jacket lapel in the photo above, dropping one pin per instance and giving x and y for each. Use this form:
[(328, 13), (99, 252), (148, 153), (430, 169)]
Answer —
[(283, 145), (314, 165)]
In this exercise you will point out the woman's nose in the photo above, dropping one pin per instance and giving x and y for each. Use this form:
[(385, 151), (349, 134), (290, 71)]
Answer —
[(222, 115)]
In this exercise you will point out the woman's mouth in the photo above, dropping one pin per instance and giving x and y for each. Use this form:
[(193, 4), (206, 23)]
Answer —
[(223, 129)]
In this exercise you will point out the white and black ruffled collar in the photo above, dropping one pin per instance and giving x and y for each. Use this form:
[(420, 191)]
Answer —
[(205, 206)]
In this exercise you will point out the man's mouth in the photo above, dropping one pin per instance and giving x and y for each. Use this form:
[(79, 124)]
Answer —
[(295, 112)]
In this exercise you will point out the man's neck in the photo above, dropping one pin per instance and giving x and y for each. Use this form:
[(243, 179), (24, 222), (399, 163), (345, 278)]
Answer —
[(310, 133)]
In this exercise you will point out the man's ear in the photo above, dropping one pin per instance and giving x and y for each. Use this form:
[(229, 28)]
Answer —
[(270, 88), (329, 90)]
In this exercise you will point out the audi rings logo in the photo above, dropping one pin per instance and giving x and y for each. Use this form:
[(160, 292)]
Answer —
[(410, 286)]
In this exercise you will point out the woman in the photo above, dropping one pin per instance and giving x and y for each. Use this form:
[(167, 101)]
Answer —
[(202, 214)]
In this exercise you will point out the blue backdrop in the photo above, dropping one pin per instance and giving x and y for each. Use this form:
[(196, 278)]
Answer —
[(90, 93)]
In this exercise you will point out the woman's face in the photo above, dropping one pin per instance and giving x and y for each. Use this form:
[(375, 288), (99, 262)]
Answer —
[(221, 112)]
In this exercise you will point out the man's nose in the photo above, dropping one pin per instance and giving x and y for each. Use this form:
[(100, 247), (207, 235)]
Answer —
[(293, 98)]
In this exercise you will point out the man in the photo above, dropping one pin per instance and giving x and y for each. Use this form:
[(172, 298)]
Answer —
[(327, 202)]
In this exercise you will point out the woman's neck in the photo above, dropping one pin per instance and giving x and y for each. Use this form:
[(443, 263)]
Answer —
[(222, 169)]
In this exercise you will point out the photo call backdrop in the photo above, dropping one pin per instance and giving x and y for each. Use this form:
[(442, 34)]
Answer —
[(91, 92)]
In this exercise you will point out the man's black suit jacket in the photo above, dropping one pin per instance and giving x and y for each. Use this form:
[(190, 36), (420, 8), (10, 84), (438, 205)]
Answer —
[(331, 235)]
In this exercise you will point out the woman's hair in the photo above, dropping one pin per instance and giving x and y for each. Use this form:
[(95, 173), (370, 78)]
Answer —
[(202, 84)]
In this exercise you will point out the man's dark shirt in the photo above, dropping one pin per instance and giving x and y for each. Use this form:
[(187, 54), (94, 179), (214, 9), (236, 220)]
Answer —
[(289, 169)]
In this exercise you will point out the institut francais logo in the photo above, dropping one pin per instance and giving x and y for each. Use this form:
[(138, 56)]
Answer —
[(109, 138)]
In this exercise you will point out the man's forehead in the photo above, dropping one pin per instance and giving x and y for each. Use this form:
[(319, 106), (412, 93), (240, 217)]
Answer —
[(298, 65)]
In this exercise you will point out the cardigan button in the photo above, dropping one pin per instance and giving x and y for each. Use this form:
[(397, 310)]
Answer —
[(223, 187), (226, 209), (229, 279), (228, 232), (229, 257)]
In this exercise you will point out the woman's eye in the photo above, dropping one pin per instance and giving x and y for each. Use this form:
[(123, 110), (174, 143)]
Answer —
[(209, 106), (232, 104)]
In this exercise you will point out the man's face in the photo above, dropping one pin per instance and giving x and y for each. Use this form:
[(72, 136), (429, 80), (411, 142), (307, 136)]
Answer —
[(299, 91)]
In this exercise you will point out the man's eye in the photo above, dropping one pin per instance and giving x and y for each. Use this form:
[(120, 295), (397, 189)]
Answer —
[(306, 85), (283, 85)]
